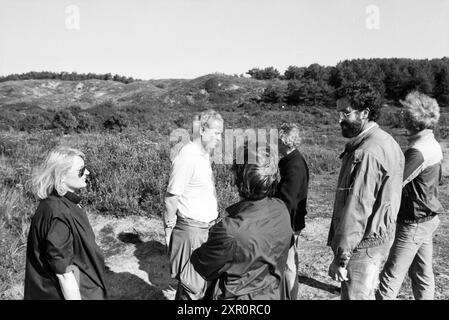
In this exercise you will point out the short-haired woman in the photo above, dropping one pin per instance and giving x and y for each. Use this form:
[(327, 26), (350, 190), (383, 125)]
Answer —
[(418, 215), (246, 252), (62, 259)]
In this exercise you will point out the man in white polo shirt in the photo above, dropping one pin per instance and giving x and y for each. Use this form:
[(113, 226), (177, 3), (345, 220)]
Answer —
[(191, 204)]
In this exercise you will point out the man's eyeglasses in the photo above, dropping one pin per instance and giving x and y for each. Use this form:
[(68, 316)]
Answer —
[(344, 115), (82, 171)]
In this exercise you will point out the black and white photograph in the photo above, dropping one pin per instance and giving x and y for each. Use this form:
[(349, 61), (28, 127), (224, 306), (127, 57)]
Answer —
[(224, 150)]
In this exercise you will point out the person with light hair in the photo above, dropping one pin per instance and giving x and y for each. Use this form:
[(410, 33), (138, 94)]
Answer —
[(418, 215), (246, 252), (62, 259), (292, 189), (191, 203)]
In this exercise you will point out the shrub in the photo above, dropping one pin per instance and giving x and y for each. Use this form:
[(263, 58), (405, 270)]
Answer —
[(309, 92), (264, 74), (273, 94), (86, 122), (64, 121), (34, 122), (117, 121), (212, 85), (103, 110), (294, 72), (9, 119), (129, 173)]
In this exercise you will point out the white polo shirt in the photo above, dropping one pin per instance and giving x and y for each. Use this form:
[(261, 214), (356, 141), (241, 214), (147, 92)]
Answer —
[(191, 179)]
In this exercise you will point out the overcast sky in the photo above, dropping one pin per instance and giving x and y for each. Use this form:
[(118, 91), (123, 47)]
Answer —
[(153, 39)]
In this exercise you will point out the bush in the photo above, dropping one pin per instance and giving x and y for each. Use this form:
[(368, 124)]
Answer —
[(212, 85), (64, 121), (273, 94), (264, 74), (294, 73), (34, 122), (129, 174), (103, 110), (309, 92), (9, 119), (117, 121), (86, 122)]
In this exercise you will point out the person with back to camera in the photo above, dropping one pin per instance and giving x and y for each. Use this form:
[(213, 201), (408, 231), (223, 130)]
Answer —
[(246, 252), (418, 215), (292, 189), (63, 260)]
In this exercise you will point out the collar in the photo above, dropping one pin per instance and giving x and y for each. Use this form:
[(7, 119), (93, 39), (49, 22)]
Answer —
[(291, 155), (355, 142), (199, 149), (244, 205), (72, 197), (423, 134), (367, 129)]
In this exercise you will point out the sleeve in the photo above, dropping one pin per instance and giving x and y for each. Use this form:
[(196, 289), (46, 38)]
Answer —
[(367, 176), (215, 255), (181, 172), (414, 162), (59, 246)]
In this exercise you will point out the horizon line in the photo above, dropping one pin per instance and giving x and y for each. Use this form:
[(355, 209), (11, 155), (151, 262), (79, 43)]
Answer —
[(218, 72)]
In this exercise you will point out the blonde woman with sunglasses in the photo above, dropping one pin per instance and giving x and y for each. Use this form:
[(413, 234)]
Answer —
[(63, 260)]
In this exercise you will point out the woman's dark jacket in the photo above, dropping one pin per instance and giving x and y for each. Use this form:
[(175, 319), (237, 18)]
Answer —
[(61, 236), (292, 188), (246, 252)]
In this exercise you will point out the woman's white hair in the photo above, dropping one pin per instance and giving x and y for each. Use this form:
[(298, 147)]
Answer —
[(290, 135), (50, 174), (422, 111)]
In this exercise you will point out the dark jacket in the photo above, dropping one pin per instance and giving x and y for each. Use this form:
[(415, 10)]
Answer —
[(61, 236), (246, 252), (292, 188), (421, 178), (368, 193)]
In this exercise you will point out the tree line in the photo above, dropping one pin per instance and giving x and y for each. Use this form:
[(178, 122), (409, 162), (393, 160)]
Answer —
[(66, 76), (393, 77)]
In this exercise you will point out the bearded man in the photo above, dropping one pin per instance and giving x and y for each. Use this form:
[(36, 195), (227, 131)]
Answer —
[(368, 194)]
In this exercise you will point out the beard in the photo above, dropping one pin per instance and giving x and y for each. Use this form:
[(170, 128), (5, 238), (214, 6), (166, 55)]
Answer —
[(350, 129)]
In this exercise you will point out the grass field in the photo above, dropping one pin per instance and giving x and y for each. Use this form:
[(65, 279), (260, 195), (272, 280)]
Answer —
[(124, 199)]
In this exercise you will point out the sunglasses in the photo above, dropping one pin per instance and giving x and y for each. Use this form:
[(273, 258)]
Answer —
[(82, 171)]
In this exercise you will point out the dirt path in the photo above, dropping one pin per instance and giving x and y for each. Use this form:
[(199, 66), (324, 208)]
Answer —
[(135, 256), (139, 267)]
